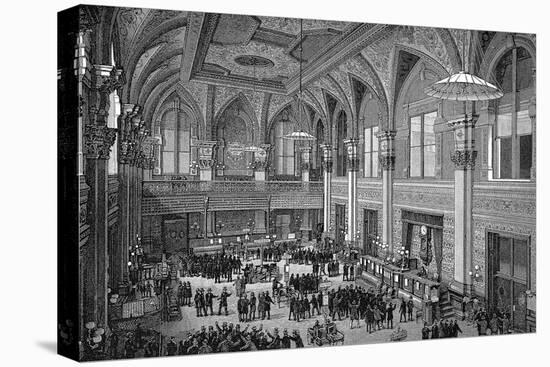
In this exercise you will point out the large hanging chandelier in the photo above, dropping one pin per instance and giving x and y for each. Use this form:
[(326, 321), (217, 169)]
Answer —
[(300, 135), (464, 86)]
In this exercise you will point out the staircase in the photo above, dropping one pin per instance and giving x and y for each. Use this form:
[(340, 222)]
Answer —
[(446, 309)]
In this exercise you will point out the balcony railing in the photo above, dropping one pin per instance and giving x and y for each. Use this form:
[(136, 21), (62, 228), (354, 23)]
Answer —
[(173, 187)]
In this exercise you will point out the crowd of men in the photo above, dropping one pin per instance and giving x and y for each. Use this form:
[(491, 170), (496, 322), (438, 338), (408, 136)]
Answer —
[(310, 256), (375, 306), (498, 323), (307, 283), (216, 266), (441, 329), (247, 305), (230, 338), (204, 301)]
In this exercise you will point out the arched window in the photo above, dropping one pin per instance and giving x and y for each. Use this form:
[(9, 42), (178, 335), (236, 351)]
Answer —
[(370, 139), (283, 149), (234, 130), (177, 128), (341, 134), (420, 112), (513, 130)]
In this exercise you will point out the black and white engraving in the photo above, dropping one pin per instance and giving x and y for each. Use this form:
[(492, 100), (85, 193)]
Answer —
[(248, 183)]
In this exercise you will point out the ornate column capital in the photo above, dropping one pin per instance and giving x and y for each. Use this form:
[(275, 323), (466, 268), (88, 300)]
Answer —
[(305, 153), (327, 157), (207, 153), (464, 159), (353, 157), (146, 158), (386, 157), (98, 140), (132, 135), (464, 154), (261, 158), (108, 78)]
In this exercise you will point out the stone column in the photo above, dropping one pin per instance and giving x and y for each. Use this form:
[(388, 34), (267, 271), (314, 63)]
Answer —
[(353, 167), (464, 157), (305, 155), (327, 178), (97, 143), (133, 135), (387, 163)]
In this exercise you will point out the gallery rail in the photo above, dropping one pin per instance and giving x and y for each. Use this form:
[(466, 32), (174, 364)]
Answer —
[(171, 187)]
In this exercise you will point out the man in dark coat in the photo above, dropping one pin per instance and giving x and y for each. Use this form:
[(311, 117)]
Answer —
[(403, 311), (389, 314)]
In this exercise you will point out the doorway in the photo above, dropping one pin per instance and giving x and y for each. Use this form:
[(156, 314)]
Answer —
[(508, 273), (370, 231), (340, 224)]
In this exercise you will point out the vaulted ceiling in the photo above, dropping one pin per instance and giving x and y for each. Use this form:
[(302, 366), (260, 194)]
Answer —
[(194, 54)]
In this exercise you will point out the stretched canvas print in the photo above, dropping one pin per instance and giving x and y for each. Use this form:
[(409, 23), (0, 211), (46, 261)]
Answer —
[(233, 183)]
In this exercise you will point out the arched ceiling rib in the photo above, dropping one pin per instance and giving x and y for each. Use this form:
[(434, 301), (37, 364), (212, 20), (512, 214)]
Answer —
[(258, 56)]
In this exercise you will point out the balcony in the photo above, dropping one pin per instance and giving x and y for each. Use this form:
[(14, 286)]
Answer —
[(181, 196)]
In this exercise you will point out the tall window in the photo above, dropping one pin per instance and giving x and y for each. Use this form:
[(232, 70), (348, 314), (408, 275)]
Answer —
[(422, 138), (176, 141), (371, 152), (284, 148), (340, 147), (513, 131)]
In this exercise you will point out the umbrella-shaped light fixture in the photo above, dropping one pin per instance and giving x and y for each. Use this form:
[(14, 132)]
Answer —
[(300, 135), (464, 86)]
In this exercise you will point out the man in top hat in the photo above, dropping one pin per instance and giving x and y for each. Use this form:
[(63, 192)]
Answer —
[(208, 298)]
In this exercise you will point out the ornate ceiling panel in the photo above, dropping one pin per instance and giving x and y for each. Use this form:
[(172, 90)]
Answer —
[(261, 51), (292, 25), (224, 56)]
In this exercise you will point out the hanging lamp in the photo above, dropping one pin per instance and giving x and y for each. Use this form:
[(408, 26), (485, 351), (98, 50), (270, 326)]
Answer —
[(300, 135), (463, 86)]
